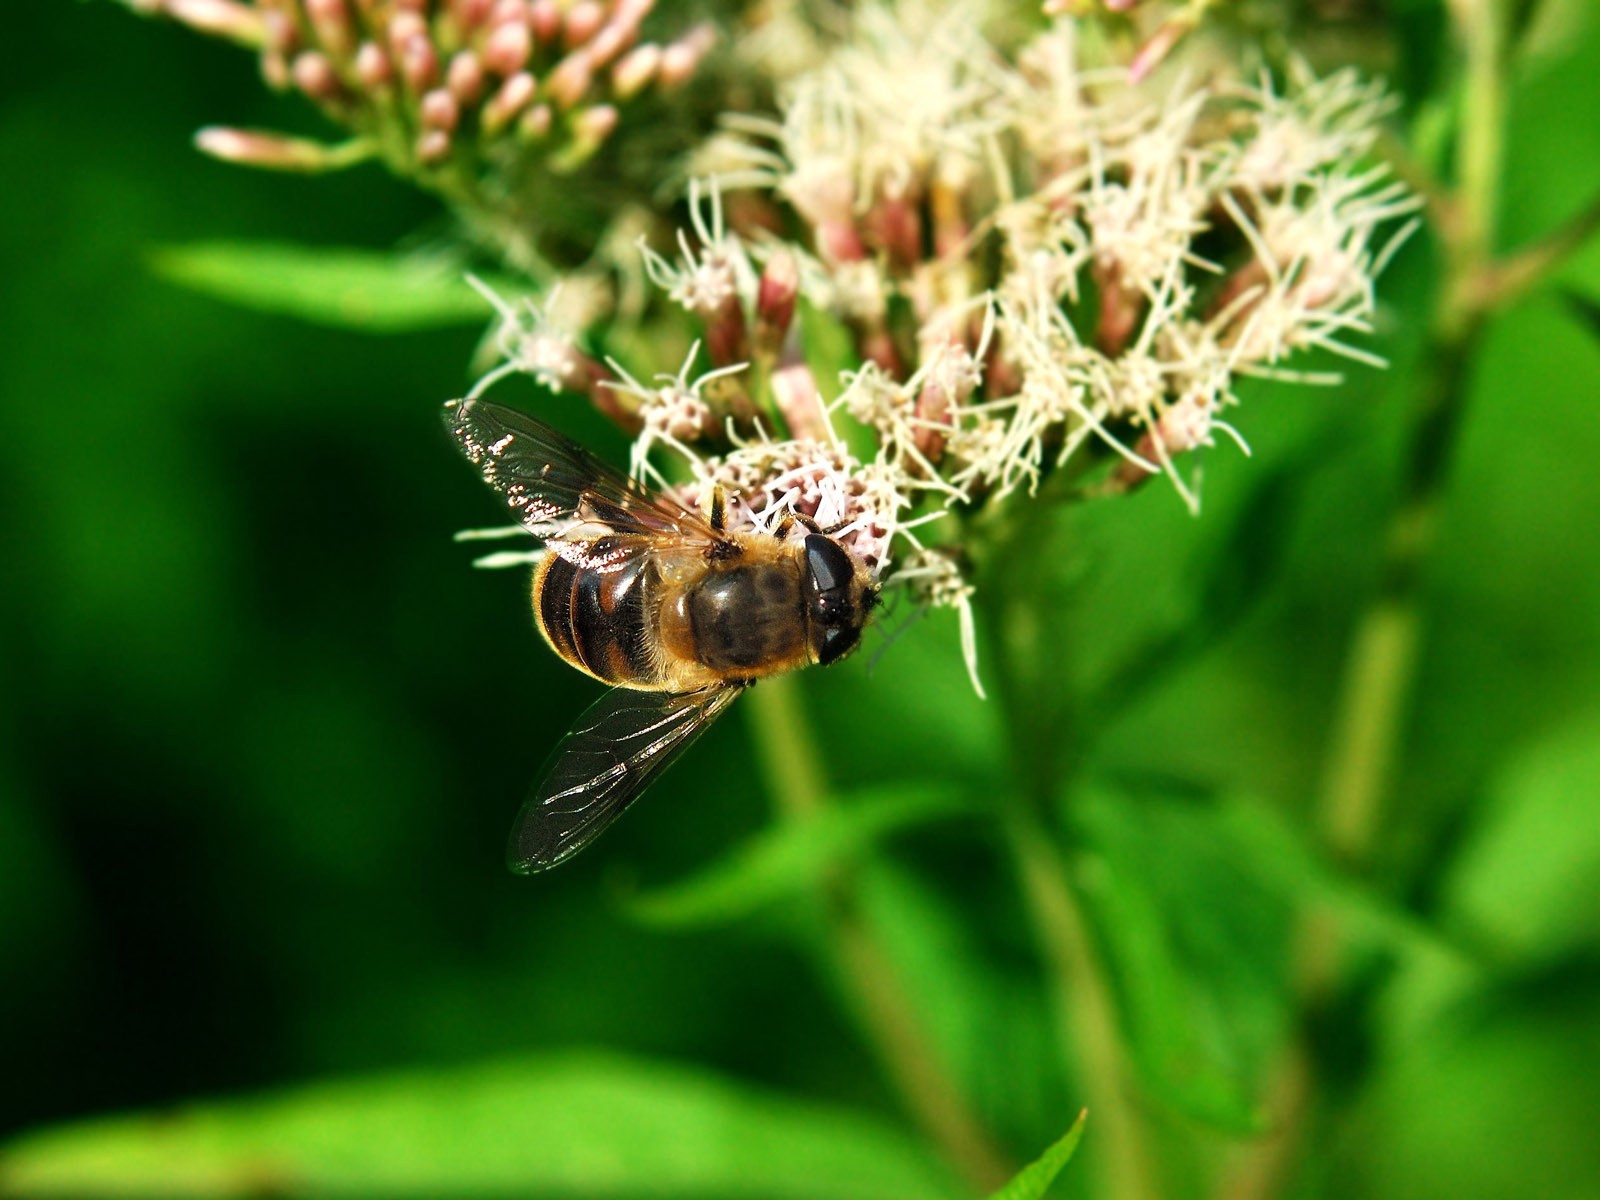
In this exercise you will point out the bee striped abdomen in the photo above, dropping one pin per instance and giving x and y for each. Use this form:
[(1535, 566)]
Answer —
[(599, 618)]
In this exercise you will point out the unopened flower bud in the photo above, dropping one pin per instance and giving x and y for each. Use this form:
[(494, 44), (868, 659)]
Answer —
[(682, 58), (464, 78), (513, 96), (544, 18), (276, 151), (330, 21), (775, 302), (403, 26), (507, 48), (1151, 55), (536, 122), (570, 79), (615, 36), (433, 147), (221, 18), (794, 389), (419, 63), (314, 75), (470, 15), (583, 21), (636, 70), (838, 242), (373, 67), (278, 32), (275, 69), (439, 110), (895, 225), (599, 122)]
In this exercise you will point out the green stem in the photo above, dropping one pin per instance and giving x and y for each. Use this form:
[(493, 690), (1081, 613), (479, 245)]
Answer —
[(1375, 696), (791, 766), (1091, 1042), (1089, 1037)]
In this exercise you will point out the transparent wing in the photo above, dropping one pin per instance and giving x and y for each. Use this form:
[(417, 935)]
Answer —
[(616, 750), (557, 489)]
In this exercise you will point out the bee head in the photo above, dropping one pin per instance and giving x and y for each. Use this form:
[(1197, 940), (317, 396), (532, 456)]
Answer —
[(836, 595)]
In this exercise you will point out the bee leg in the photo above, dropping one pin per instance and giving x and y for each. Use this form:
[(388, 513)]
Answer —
[(719, 510), (784, 526), (811, 524)]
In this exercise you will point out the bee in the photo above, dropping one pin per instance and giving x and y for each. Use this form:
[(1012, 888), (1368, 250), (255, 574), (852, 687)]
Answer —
[(675, 610)]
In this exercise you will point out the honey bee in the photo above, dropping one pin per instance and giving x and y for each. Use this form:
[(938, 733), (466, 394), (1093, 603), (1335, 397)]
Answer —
[(674, 609)]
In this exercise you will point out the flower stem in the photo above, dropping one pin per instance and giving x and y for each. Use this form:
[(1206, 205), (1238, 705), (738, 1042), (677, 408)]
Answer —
[(1375, 696), (1081, 995), (880, 1004), (1091, 1041)]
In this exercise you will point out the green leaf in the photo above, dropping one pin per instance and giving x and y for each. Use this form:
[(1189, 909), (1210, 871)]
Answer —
[(1034, 1180), (1278, 856), (589, 1126), (348, 288), (983, 1011), (791, 856), (1194, 947), (1529, 876), (1585, 310)]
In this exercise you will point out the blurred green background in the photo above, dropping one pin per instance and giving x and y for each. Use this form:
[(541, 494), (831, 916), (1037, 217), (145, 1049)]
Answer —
[(264, 729)]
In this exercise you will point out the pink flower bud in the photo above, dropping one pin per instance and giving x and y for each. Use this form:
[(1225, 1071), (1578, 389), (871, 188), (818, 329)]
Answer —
[(1151, 55), (403, 26), (794, 389), (597, 123), (894, 224), (314, 75), (507, 48), (544, 17), (278, 32), (513, 96), (439, 110), (611, 41), (373, 67), (536, 122), (682, 58), (775, 301), (634, 73), (330, 20), (570, 79), (583, 20), (433, 147), (419, 64), (275, 151), (275, 69), (470, 15), (219, 18), (838, 241), (464, 77)]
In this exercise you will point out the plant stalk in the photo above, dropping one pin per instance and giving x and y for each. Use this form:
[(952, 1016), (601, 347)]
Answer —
[(1085, 1010), (1375, 695), (882, 1007)]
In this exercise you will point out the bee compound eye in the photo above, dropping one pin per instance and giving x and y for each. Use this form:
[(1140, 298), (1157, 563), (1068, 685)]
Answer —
[(829, 574), (835, 642)]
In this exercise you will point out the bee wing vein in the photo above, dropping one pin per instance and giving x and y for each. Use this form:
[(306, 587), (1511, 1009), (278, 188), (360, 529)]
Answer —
[(635, 735)]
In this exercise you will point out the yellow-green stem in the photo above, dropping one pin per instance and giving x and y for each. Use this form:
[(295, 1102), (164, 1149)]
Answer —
[(1086, 1018), (1375, 693), (880, 1004), (1024, 661)]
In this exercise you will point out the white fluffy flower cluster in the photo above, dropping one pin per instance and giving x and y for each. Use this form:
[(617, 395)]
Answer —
[(1042, 268)]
